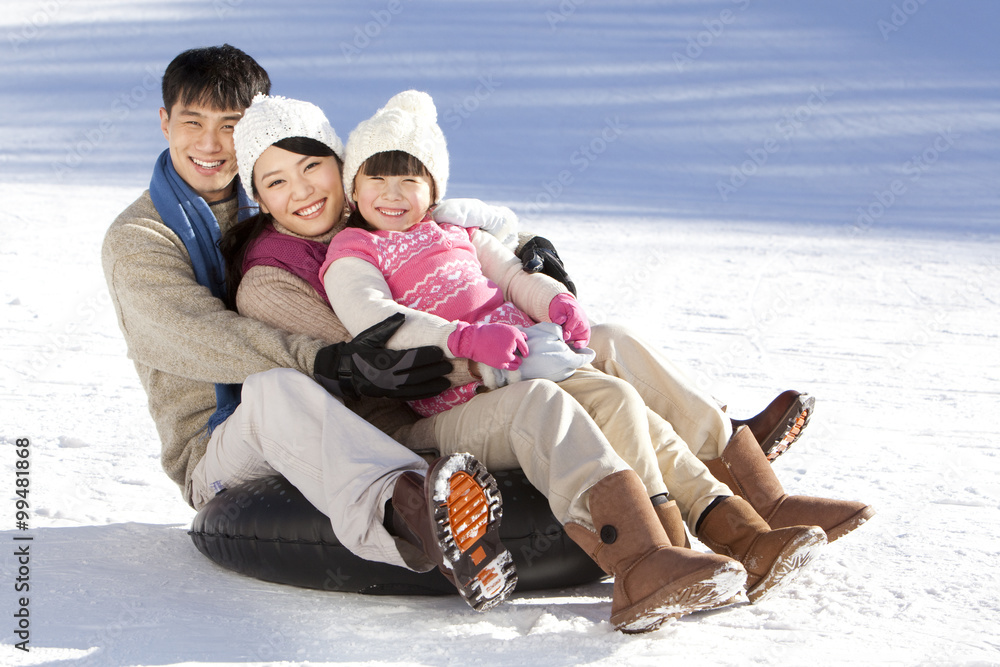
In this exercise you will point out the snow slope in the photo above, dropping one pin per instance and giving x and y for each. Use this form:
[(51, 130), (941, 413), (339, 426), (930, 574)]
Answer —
[(777, 195)]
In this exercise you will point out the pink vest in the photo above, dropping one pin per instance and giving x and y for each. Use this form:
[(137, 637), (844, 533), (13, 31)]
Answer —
[(298, 256)]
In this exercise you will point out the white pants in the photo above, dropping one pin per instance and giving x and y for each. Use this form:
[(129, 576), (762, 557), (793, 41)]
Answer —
[(347, 468), (694, 415)]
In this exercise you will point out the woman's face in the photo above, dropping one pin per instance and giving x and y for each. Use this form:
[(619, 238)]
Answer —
[(302, 192), (393, 203)]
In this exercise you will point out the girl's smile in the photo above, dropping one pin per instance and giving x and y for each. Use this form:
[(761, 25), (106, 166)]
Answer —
[(392, 203)]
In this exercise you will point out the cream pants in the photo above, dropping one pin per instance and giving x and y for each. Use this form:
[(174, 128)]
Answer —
[(646, 441), (695, 416), (566, 437)]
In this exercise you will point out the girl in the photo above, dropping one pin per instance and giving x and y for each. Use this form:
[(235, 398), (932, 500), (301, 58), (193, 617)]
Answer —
[(466, 293)]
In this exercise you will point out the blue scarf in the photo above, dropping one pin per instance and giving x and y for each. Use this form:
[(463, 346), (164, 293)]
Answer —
[(191, 218)]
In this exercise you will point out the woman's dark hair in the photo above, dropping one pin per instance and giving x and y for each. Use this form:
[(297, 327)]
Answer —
[(390, 163), (220, 77), (236, 240)]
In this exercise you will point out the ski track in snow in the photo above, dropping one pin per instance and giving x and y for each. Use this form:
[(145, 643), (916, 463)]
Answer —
[(857, 260)]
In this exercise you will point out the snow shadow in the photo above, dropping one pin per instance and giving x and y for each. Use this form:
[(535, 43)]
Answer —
[(131, 593)]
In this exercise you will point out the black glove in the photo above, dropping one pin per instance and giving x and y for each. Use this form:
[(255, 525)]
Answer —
[(539, 255), (364, 367)]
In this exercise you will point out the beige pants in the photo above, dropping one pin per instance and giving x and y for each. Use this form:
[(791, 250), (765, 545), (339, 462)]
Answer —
[(538, 427), (694, 415), (651, 416), (646, 441), (568, 436), (345, 467)]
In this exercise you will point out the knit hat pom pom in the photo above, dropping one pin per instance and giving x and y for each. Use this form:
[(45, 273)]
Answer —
[(415, 102), (407, 123)]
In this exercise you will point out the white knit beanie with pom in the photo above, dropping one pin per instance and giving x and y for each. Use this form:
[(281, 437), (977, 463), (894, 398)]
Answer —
[(408, 123), (273, 118)]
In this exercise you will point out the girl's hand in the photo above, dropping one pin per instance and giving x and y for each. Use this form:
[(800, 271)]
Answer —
[(566, 312), (498, 345)]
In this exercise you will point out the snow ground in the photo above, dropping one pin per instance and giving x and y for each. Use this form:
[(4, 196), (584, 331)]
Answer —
[(779, 196)]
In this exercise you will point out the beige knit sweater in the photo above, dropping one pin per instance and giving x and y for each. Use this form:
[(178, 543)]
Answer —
[(182, 339)]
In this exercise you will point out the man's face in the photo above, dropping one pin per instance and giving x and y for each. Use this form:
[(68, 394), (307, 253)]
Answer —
[(201, 147)]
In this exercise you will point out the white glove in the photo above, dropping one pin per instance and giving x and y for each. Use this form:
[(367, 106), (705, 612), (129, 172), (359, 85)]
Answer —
[(549, 358), (499, 221)]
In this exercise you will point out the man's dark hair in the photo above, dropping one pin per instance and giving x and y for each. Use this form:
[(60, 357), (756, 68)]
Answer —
[(219, 77)]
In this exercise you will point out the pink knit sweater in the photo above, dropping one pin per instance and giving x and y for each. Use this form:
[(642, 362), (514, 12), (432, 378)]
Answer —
[(432, 268)]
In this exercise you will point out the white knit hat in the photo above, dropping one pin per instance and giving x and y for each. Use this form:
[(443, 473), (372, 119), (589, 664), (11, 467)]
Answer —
[(408, 123), (272, 118)]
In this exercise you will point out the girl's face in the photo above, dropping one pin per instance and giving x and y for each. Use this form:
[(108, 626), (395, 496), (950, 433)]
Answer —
[(303, 193), (393, 203)]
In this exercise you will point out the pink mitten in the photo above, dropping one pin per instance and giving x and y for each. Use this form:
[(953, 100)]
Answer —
[(566, 312), (498, 345)]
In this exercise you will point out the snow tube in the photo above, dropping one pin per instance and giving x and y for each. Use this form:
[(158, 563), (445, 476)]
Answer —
[(267, 529)]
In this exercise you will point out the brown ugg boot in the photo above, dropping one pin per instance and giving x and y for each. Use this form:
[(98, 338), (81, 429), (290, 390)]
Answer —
[(673, 524), (772, 558), (654, 581), (453, 514), (779, 425), (744, 469)]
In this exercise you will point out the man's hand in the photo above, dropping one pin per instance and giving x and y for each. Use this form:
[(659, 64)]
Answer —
[(538, 255), (364, 367)]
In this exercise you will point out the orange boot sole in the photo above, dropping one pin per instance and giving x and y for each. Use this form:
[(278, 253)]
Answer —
[(795, 422), (467, 513)]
